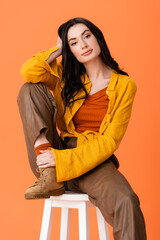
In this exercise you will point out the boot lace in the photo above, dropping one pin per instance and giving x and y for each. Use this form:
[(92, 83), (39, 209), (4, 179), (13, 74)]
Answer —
[(42, 178)]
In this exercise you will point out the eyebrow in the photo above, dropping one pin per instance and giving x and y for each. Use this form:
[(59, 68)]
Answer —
[(81, 34)]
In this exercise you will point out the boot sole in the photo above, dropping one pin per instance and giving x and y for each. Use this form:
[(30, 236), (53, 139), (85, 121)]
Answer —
[(56, 192)]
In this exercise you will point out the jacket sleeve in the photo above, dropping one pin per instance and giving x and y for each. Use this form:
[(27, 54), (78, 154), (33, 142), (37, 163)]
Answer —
[(71, 163), (37, 69)]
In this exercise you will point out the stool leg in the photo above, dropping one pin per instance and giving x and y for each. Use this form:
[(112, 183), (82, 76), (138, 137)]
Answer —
[(47, 220), (65, 223), (102, 226), (83, 222)]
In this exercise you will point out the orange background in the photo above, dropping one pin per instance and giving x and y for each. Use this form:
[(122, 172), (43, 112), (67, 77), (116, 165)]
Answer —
[(131, 32)]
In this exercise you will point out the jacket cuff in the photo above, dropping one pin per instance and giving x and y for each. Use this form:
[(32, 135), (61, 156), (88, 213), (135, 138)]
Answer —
[(44, 55)]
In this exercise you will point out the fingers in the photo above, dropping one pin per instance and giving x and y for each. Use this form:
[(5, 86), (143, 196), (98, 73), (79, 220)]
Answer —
[(45, 159), (45, 153), (46, 165)]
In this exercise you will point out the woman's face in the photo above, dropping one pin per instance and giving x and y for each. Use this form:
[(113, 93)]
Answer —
[(80, 39)]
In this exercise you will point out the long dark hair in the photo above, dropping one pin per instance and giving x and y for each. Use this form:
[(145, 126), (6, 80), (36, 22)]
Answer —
[(73, 69)]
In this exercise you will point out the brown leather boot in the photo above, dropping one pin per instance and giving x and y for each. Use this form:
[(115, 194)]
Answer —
[(46, 185)]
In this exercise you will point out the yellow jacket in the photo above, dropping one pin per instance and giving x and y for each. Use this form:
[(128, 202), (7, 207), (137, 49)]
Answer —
[(92, 148)]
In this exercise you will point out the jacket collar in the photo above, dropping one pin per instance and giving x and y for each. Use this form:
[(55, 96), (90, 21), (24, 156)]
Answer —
[(112, 83)]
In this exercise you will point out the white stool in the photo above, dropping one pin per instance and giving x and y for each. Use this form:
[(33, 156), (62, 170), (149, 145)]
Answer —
[(67, 201)]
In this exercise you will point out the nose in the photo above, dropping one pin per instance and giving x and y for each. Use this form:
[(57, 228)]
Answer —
[(83, 44)]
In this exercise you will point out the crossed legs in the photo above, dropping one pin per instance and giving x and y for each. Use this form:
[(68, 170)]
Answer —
[(107, 188)]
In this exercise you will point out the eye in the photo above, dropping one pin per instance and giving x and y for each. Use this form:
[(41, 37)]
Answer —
[(73, 44), (88, 35)]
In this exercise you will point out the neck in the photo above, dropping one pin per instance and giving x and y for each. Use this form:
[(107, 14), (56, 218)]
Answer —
[(96, 69)]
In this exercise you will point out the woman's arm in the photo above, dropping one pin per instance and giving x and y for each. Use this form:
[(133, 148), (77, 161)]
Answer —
[(56, 54), (43, 67)]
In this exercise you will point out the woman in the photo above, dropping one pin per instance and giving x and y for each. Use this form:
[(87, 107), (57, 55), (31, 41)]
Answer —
[(91, 106)]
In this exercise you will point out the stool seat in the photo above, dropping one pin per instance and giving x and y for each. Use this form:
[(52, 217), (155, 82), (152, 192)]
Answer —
[(69, 195), (67, 201)]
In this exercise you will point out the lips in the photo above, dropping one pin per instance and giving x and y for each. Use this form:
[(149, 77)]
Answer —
[(87, 52)]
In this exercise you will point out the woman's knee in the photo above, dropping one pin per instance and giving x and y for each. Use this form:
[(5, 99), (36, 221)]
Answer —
[(26, 90), (23, 90)]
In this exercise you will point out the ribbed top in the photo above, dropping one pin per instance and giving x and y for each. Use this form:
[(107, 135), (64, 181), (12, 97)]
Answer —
[(92, 112)]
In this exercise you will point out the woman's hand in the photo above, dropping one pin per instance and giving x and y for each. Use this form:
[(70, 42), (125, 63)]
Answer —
[(45, 159)]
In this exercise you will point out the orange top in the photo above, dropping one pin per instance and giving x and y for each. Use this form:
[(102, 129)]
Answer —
[(92, 112)]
